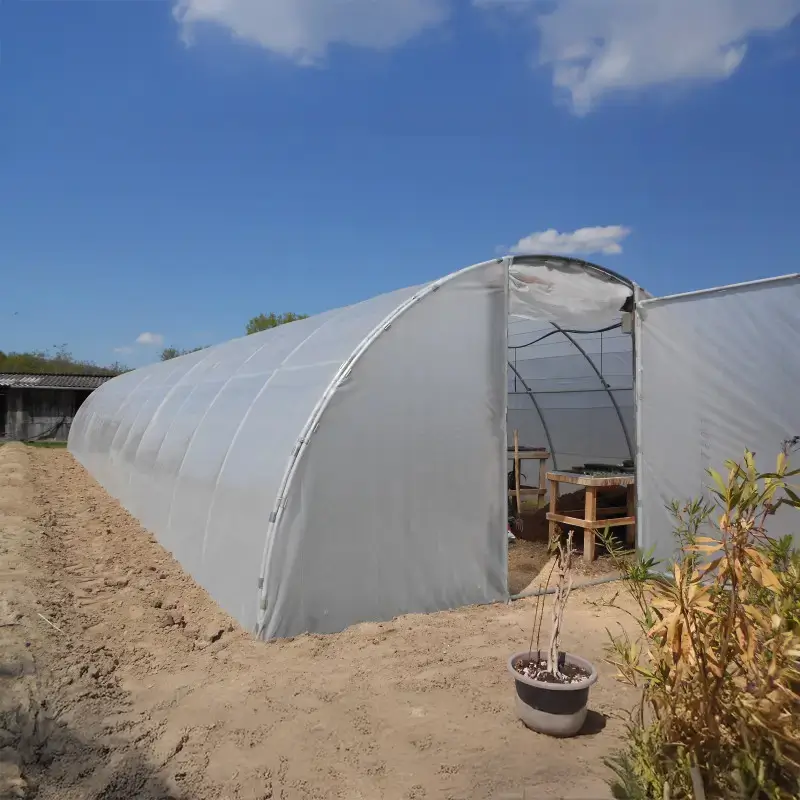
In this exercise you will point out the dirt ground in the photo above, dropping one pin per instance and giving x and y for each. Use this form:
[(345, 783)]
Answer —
[(120, 678), (529, 562)]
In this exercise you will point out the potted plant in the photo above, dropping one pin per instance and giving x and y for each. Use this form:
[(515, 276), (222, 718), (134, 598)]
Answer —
[(552, 687), (716, 654)]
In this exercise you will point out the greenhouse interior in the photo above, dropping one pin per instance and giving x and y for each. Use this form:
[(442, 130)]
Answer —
[(385, 458)]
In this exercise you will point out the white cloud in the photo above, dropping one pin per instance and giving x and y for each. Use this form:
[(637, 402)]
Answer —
[(584, 241), (150, 338), (303, 30), (595, 47), (123, 350)]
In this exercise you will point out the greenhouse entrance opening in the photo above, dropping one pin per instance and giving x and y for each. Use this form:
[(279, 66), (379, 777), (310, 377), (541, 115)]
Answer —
[(570, 418)]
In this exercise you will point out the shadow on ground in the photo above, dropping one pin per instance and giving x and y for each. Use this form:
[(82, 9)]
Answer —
[(595, 723), (43, 758)]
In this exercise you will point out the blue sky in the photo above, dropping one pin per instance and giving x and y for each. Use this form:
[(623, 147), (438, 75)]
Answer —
[(176, 167)]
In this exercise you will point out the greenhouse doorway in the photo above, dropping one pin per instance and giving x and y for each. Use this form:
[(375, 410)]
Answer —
[(570, 413)]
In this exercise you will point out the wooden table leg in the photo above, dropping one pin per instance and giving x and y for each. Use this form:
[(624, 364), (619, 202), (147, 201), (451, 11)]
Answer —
[(542, 477), (553, 502), (590, 515), (630, 530), (516, 474)]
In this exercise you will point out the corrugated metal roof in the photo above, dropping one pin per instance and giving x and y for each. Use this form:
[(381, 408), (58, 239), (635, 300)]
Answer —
[(26, 380)]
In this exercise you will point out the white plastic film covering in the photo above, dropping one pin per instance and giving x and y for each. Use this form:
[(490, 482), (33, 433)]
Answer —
[(549, 288), (197, 447), (719, 373), (398, 501)]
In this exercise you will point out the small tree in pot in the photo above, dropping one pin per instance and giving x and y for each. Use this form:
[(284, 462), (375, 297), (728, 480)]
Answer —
[(552, 687)]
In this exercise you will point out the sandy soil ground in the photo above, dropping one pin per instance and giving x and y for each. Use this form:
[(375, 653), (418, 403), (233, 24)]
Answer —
[(120, 678), (529, 562)]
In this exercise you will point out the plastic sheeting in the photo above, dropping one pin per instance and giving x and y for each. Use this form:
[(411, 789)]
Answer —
[(398, 501), (196, 447), (571, 293), (718, 373)]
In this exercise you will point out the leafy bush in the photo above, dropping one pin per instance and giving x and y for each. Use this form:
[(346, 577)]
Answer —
[(60, 362), (265, 322), (718, 655), (168, 353)]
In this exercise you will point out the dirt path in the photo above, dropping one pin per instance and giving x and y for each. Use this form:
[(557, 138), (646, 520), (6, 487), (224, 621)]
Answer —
[(120, 678)]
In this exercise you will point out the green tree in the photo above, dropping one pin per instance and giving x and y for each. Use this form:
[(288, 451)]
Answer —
[(169, 353), (60, 362), (263, 322)]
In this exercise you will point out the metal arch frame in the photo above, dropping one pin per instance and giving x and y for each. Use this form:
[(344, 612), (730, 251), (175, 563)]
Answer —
[(535, 260), (646, 302), (603, 381), (532, 396), (588, 266)]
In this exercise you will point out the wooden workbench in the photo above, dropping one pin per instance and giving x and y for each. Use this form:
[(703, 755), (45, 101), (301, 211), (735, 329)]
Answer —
[(589, 523)]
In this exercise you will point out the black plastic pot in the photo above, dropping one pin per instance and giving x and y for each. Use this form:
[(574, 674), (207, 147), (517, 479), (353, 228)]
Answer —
[(557, 709)]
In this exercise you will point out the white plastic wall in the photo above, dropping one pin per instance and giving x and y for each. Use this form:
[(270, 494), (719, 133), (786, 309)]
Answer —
[(196, 447), (718, 373), (398, 502)]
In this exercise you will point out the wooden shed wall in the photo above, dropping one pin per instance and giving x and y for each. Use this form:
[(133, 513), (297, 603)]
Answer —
[(39, 413)]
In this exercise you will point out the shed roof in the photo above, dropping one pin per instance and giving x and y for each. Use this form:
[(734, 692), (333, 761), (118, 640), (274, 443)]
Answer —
[(27, 380)]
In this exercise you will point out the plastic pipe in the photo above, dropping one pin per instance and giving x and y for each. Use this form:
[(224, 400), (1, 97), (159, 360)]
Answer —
[(552, 590)]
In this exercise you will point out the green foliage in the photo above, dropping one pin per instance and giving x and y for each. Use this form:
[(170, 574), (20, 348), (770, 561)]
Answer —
[(60, 362), (263, 322), (717, 657), (169, 353)]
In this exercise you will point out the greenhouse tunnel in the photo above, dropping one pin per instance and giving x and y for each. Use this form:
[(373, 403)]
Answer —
[(353, 466)]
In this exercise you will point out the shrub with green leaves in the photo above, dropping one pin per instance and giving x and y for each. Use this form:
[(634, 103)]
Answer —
[(717, 656)]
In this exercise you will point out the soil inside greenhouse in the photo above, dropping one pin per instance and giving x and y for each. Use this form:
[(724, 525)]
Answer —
[(120, 678), (529, 560)]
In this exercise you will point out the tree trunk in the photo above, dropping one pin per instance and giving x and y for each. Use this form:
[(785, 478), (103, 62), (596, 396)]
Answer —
[(563, 588)]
